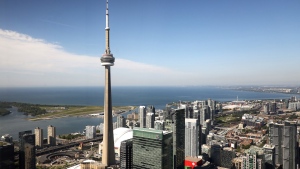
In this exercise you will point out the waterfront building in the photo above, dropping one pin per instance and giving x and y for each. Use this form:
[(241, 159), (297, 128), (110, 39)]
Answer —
[(121, 121), (107, 60), (27, 150), (51, 135), (142, 116), (151, 149), (150, 120), (7, 155), (90, 132), (126, 154), (191, 137), (38, 137), (284, 138)]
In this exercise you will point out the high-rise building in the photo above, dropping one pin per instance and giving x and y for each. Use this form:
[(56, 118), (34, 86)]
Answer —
[(51, 135), (107, 60), (175, 122), (142, 116), (290, 146), (121, 121), (151, 149), (6, 155), (126, 154), (284, 138), (38, 137), (90, 132), (150, 120), (191, 137), (27, 150)]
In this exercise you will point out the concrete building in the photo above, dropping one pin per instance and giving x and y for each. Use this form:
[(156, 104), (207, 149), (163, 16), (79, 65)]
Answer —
[(51, 135), (151, 149), (27, 150), (90, 132), (38, 137), (142, 116), (107, 60), (192, 137)]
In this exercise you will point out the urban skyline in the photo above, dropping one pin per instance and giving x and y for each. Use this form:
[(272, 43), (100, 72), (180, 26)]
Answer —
[(59, 43)]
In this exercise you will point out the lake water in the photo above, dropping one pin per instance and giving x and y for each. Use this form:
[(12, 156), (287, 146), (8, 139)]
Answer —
[(121, 96)]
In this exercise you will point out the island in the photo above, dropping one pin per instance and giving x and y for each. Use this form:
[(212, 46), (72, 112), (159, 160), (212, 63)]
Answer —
[(41, 112)]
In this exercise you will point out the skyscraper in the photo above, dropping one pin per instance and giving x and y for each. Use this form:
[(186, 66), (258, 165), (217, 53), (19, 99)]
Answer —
[(150, 120), (121, 121), (142, 116), (38, 137), (126, 154), (107, 60), (51, 135), (27, 150), (175, 123), (151, 149), (284, 138), (191, 137)]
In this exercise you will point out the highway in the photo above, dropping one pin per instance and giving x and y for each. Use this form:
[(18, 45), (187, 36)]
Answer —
[(65, 146)]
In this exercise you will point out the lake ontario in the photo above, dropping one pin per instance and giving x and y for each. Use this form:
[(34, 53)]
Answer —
[(93, 96)]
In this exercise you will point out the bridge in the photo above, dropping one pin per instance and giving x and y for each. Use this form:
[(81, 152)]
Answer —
[(65, 146)]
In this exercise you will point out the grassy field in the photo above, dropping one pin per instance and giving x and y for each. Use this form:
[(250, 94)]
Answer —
[(57, 112)]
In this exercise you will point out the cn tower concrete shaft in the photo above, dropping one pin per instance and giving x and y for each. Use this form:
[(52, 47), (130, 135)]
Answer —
[(108, 152)]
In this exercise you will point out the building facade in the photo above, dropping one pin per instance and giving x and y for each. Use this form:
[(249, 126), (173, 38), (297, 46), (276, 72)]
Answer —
[(151, 149), (27, 150), (90, 132), (51, 135), (126, 154), (191, 137), (38, 137)]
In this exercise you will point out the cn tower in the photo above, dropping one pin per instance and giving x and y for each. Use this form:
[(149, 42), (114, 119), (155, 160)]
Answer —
[(107, 60)]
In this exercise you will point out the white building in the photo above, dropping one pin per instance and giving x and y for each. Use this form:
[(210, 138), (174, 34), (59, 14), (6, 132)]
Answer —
[(90, 132)]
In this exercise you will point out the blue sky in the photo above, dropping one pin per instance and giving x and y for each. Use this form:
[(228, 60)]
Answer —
[(155, 43)]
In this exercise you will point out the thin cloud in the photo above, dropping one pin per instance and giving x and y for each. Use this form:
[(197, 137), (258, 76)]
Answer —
[(46, 63)]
